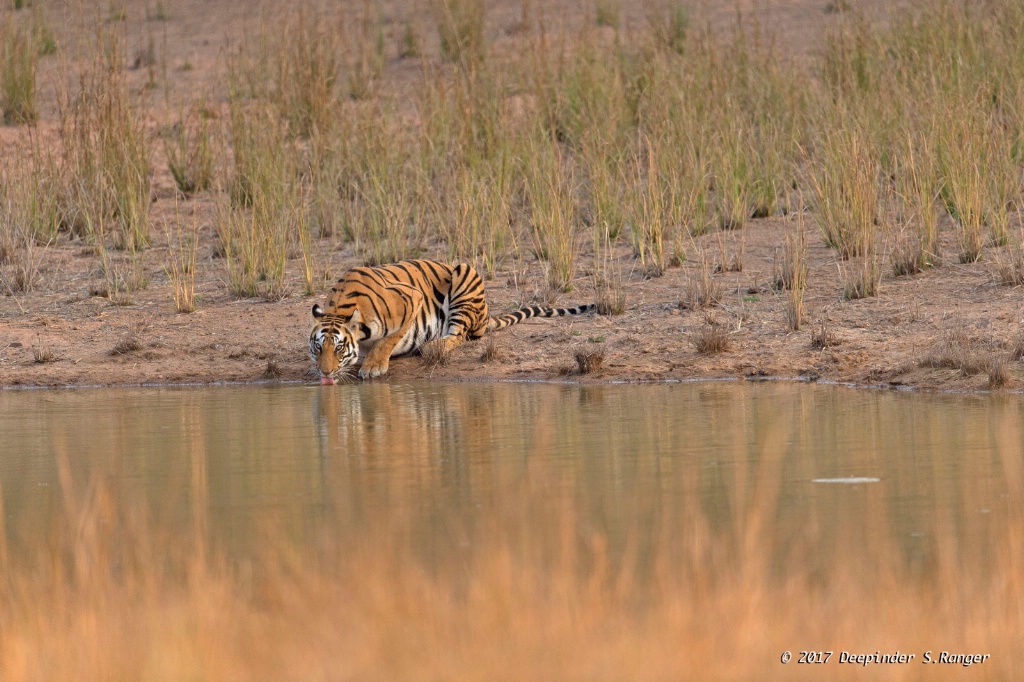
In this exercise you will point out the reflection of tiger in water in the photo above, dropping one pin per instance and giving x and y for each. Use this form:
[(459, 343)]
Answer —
[(395, 309)]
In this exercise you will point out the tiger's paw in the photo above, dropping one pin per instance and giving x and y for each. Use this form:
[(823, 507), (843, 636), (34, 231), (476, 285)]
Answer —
[(369, 371)]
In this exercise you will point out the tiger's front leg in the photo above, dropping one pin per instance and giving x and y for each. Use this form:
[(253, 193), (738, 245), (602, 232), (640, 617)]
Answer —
[(405, 307)]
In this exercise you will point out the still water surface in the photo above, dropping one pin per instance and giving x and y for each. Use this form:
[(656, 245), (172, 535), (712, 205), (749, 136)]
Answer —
[(811, 471)]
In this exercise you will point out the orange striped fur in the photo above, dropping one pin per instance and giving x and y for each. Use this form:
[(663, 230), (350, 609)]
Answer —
[(395, 309)]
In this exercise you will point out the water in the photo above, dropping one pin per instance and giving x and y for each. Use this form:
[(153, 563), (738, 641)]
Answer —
[(819, 468), (501, 531)]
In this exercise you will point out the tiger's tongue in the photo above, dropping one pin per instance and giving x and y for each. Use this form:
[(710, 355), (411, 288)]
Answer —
[(326, 381)]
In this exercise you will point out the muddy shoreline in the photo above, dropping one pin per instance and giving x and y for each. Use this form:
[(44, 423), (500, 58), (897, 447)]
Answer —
[(62, 336)]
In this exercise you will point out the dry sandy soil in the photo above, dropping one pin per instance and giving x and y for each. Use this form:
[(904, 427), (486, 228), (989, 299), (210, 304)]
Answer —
[(62, 334)]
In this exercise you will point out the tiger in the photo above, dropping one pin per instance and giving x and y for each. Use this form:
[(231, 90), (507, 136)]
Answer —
[(393, 310)]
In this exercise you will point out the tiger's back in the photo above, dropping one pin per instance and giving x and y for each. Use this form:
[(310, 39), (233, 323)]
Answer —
[(396, 309)]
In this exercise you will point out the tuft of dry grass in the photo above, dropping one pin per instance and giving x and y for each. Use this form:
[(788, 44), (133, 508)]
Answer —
[(273, 369), (822, 336), (998, 371), (703, 290), (730, 259), (606, 13), (589, 359), (553, 211), (436, 353), (1010, 263), (710, 337), (649, 209), (20, 257), (494, 350), (43, 355), (307, 61), (133, 338), (916, 191), (611, 299), (1017, 346), (959, 349), (907, 256), (106, 151), (182, 269), (861, 280), (607, 276)]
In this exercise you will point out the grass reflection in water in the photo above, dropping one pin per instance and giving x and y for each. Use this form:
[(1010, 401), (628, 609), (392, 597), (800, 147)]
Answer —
[(508, 532)]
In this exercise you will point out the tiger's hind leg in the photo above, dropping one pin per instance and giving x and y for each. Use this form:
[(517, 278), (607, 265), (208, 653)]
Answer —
[(467, 315), (404, 308)]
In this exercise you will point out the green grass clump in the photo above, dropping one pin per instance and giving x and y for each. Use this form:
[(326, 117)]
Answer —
[(649, 199), (46, 41), (845, 184), (308, 63), (460, 25), (550, 191), (190, 152), (18, 57)]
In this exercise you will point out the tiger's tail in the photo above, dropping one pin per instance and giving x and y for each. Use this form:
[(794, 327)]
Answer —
[(509, 319)]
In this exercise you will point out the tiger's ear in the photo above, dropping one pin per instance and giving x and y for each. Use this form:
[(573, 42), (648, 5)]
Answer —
[(318, 312), (354, 320)]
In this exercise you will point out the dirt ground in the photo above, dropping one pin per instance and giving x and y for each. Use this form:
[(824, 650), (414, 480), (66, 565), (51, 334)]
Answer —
[(63, 334)]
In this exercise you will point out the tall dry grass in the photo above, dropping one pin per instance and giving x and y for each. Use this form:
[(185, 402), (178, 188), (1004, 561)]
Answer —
[(843, 178), (181, 269), (307, 62), (647, 134), (106, 149), (255, 228), (791, 272), (20, 255), (19, 54), (551, 192), (649, 206)]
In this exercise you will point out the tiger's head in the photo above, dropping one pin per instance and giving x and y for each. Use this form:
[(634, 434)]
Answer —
[(334, 342)]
